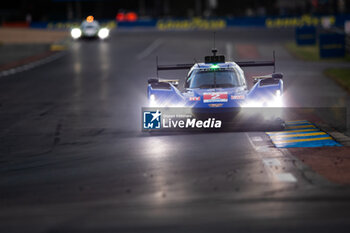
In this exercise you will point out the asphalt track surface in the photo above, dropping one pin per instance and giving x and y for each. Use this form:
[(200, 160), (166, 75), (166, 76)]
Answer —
[(74, 159)]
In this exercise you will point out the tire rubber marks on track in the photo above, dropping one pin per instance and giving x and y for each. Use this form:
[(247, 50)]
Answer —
[(57, 133), (272, 165), (282, 176), (149, 50)]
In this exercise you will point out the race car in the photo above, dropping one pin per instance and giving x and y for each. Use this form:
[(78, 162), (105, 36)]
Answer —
[(90, 28), (216, 85)]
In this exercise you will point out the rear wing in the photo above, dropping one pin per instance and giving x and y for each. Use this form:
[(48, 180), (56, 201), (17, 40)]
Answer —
[(240, 63), (255, 63), (174, 67)]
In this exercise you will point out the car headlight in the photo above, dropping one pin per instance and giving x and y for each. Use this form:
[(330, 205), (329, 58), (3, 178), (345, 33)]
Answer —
[(274, 101), (278, 101), (75, 33), (103, 33), (278, 93), (152, 100)]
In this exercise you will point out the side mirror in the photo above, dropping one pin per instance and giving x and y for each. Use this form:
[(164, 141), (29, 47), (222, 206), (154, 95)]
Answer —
[(174, 82), (277, 75), (152, 80)]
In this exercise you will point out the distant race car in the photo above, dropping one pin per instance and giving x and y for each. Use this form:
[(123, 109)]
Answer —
[(90, 28), (216, 85)]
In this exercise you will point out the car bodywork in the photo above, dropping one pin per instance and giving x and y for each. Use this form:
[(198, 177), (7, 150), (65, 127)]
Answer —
[(90, 28), (216, 84)]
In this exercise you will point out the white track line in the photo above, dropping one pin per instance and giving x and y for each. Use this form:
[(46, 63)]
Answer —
[(31, 65), (147, 51), (257, 139), (285, 177), (270, 163)]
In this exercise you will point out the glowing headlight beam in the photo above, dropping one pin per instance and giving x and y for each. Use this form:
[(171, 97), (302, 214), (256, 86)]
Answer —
[(275, 101), (278, 102), (278, 93), (252, 104), (103, 33), (75, 33), (152, 100)]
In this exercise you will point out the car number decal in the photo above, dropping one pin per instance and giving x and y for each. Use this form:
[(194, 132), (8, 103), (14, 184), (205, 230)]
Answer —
[(215, 97)]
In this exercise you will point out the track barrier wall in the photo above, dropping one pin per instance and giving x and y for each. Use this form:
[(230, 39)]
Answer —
[(207, 24)]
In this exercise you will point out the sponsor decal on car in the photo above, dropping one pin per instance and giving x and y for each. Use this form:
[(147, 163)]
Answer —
[(237, 97), (215, 97), (195, 98)]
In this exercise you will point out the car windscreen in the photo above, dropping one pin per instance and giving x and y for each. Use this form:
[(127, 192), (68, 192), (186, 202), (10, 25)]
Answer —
[(89, 27), (213, 79)]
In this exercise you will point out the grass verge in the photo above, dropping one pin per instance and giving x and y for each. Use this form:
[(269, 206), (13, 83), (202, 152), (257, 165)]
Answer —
[(310, 53), (340, 75), (307, 53)]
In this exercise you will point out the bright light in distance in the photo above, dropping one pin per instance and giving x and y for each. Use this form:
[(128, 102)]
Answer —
[(75, 33), (103, 33), (90, 18)]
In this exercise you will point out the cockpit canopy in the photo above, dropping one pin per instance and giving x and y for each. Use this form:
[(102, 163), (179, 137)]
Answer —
[(215, 78)]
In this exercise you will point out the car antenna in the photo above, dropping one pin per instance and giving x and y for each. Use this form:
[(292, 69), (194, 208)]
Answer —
[(274, 61), (157, 65), (214, 50)]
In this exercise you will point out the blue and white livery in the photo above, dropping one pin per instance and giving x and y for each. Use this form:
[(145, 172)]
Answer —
[(216, 84)]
